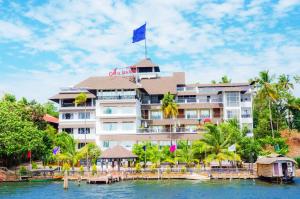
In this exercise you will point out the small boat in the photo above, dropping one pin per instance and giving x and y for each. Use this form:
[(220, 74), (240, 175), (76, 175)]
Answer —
[(195, 176)]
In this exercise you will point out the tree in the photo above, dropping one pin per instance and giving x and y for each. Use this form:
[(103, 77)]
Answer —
[(169, 108), (267, 91), (186, 154), (79, 100), (92, 151), (51, 109), (216, 142), (225, 79), (213, 82)]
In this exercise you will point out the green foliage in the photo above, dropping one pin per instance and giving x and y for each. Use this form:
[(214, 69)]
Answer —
[(81, 99), (81, 170), (51, 109), (275, 142), (92, 151), (66, 167), (34, 165), (94, 169), (138, 167), (168, 169), (225, 79), (183, 169), (23, 171), (297, 159), (153, 168)]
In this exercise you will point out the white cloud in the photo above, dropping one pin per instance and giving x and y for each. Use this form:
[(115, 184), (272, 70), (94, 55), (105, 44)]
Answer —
[(14, 31), (286, 5)]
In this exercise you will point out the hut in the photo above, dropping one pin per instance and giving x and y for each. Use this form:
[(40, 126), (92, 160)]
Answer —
[(276, 167), (116, 155)]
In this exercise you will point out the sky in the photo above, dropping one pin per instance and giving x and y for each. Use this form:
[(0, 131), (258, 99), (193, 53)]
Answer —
[(46, 45)]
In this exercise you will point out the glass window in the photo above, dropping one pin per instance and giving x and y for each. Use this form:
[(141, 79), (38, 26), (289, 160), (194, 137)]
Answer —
[(127, 126), (191, 114), (80, 145), (67, 116), (157, 128), (68, 130), (110, 126), (156, 115), (191, 128), (105, 144), (204, 113), (246, 112), (245, 98), (110, 110), (233, 98), (83, 115), (231, 114), (84, 130)]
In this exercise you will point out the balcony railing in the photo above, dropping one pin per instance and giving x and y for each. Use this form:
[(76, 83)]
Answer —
[(246, 115), (168, 130), (119, 97)]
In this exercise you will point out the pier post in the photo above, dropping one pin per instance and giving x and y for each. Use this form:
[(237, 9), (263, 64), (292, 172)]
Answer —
[(66, 183)]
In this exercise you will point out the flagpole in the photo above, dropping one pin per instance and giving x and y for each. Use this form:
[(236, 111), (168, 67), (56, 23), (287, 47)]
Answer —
[(145, 48)]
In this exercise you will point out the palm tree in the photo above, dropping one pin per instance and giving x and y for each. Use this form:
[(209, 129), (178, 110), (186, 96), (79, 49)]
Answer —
[(79, 100), (186, 154), (225, 79), (92, 151), (169, 108), (68, 152), (267, 91), (216, 142), (285, 82)]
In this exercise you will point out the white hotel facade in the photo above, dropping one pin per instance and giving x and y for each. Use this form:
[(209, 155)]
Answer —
[(126, 110)]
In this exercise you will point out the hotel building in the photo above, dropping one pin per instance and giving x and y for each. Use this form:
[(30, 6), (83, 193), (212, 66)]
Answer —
[(126, 109)]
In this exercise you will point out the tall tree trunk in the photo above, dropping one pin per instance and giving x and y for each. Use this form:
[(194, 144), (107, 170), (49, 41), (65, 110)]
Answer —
[(271, 120)]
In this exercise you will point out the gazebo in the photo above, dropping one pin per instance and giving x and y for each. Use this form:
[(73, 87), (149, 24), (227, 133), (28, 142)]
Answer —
[(117, 153)]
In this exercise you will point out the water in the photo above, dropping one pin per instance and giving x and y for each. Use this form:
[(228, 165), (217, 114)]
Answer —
[(153, 189)]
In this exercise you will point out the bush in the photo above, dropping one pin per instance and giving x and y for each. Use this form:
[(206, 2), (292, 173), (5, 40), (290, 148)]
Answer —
[(66, 167), (23, 171), (297, 159), (168, 169), (183, 169), (138, 167), (153, 168), (34, 165), (81, 169), (94, 169)]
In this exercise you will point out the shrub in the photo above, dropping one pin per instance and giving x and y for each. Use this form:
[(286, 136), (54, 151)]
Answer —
[(168, 169), (81, 169), (153, 168), (297, 159), (94, 169), (183, 169), (23, 171), (138, 167), (34, 165), (66, 167)]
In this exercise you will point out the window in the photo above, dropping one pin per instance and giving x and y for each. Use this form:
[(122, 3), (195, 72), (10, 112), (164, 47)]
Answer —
[(204, 113), (191, 114), (127, 126), (84, 131), (68, 130), (80, 145), (128, 110), (246, 112), (110, 110), (67, 116), (105, 144), (83, 115), (156, 115), (246, 98), (191, 128), (110, 126), (233, 99), (233, 114), (157, 128)]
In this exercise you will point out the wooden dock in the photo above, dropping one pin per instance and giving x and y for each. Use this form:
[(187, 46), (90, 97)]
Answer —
[(103, 179)]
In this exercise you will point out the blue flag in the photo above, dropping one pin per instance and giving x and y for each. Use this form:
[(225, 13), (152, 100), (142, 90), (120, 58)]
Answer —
[(139, 34)]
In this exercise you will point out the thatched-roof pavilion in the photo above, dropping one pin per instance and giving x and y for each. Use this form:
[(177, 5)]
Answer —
[(117, 153)]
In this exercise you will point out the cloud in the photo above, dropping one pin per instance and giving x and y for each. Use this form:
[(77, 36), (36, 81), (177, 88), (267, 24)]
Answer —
[(286, 5), (14, 31)]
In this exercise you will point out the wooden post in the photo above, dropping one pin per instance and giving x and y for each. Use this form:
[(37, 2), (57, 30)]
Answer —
[(66, 183)]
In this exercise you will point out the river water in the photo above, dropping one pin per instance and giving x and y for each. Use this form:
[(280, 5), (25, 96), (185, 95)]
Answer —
[(153, 189)]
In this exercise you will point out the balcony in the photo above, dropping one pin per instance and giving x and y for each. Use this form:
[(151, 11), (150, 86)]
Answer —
[(119, 97), (167, 130)]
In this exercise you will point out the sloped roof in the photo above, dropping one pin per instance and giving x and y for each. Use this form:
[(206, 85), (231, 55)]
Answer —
[(117, 152), (145, 63), (273, 158), (50, 118), (220, 85), (105, 82), (70, 96)]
